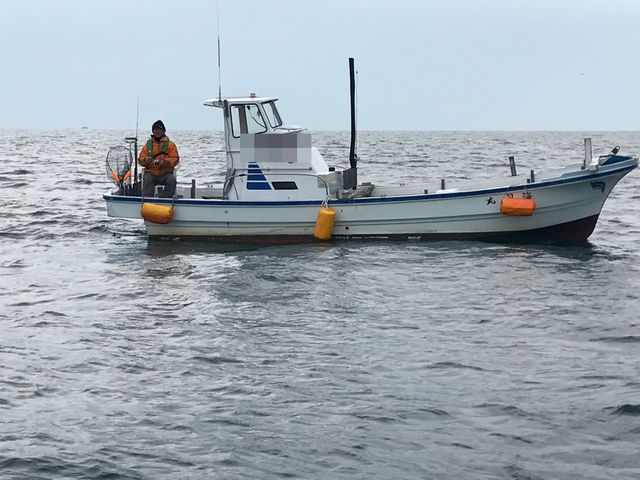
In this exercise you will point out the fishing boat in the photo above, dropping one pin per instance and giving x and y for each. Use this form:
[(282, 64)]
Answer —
[(279, 189)]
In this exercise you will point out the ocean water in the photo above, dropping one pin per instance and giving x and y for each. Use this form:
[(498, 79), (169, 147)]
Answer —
[(124, 358)]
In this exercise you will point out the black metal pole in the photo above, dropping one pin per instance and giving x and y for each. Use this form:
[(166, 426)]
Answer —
[(512, 165), (353, 157)]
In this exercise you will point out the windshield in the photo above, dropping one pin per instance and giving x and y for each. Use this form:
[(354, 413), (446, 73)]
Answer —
[(247, 119), (272, 114)]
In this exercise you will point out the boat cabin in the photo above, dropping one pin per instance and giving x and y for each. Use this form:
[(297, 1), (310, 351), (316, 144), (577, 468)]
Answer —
[(266, 159)]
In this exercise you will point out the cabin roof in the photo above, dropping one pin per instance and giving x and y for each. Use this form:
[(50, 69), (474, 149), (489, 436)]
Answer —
[(219, 103)]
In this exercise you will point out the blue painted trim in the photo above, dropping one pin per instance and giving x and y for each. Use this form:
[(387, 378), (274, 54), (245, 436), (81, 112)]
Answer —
[(404, 198), (616, 159), (257, 186)]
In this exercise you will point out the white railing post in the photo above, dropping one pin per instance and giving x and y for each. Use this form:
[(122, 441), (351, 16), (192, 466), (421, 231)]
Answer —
[(588, 154)]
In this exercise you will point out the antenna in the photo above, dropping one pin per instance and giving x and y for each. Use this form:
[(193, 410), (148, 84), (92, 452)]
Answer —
[(218, 24)]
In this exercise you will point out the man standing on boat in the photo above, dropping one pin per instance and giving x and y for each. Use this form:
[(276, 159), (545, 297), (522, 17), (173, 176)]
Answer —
[(159, 156)]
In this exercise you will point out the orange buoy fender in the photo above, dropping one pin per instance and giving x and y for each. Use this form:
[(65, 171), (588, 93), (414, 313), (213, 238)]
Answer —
[(156, 213), (324, 223), (519, 207)]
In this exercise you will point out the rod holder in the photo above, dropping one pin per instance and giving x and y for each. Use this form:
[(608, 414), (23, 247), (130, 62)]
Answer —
[(442, 184), (193, 188), (533, 176), (512, 166)]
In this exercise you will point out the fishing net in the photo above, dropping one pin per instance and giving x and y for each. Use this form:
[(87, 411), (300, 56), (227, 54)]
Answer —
[(119, 161)]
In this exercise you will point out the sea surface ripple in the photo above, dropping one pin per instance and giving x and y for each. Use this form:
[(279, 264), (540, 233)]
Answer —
[(123, 357)]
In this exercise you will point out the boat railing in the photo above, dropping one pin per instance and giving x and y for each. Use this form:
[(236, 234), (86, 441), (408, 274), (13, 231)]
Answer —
[(228, 183)]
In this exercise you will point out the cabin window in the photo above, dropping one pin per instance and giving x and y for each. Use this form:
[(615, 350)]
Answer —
[(247, 119), (284, 185), (272, 114)]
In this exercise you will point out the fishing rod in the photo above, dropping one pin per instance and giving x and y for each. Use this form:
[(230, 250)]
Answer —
[(135, 142)]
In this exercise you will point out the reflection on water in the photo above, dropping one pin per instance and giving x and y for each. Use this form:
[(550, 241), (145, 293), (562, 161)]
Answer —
[(165, 247)]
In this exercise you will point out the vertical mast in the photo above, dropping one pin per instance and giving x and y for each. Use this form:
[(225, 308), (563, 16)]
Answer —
[(353, 156)]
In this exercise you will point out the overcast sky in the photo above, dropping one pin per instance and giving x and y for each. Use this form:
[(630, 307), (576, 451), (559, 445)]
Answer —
[(422, 64)]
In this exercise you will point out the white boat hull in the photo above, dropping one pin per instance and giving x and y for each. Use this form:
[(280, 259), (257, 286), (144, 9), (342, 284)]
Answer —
[(567, 209)]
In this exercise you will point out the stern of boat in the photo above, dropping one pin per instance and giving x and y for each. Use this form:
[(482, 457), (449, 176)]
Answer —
[(122, 207)]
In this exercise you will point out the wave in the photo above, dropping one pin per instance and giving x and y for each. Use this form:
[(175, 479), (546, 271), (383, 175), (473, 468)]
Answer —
[(49, 467), (216, 360), (627, 409), (438, 365), (623, 339)]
